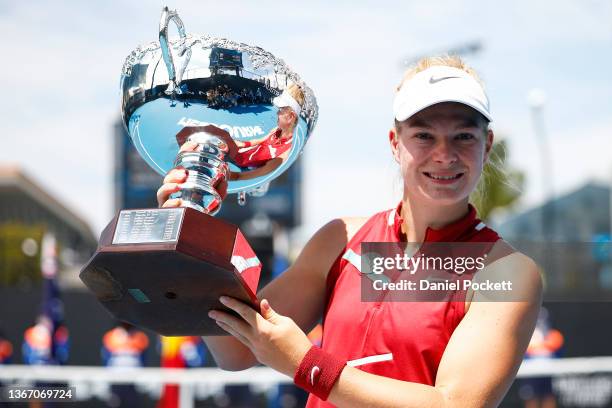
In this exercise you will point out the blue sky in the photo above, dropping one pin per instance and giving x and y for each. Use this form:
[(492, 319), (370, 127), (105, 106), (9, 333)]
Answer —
[(62, 60)]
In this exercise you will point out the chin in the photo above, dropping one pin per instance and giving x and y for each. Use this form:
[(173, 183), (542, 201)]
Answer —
[(446, 201), (444, 197)]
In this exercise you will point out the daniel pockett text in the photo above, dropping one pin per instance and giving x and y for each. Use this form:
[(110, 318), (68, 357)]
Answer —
[(431, 272)]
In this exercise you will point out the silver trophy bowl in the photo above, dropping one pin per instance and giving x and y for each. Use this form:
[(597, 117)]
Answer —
[(250, 114)]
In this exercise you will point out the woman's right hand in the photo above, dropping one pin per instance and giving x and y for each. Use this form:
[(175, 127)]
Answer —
[(177, 176), (173, 180)]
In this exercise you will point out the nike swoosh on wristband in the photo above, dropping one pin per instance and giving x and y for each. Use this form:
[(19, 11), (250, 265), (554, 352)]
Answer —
[(314, 371), (434, 80)]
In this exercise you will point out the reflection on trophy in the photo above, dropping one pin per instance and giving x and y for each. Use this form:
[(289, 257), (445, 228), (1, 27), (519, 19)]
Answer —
[(249, 116)]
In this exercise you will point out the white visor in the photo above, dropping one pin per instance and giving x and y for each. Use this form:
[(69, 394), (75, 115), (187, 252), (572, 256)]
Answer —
[(439, 84), (285, 99)]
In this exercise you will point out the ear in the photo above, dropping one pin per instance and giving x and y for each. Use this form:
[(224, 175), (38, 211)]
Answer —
[(394, 142), (488, 144)]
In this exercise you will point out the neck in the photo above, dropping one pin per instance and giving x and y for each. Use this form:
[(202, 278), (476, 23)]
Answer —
[(288, 132), (418, 217)]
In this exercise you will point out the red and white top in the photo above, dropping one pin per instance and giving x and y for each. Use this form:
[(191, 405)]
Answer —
[(256, 156), (400, 340)]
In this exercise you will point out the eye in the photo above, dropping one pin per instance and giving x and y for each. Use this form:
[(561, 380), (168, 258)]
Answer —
[(465, 136), (423, 136)]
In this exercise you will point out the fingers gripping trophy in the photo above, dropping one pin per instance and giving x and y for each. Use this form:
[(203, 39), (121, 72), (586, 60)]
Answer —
[(219, 118)]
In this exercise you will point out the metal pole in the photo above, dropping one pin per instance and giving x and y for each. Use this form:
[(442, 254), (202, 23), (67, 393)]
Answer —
[(186, 396), (537, 99)]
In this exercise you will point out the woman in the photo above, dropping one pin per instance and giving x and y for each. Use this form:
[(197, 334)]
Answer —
[(257, 152), (262, 155), (458, 353)]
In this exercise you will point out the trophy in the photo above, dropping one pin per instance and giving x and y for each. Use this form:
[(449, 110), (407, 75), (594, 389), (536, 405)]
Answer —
[(163, 269)]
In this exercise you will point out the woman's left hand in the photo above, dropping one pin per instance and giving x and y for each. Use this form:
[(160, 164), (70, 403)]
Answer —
[(275, 340)]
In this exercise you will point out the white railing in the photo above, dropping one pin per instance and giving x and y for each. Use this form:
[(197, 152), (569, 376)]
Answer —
[(215, 379)]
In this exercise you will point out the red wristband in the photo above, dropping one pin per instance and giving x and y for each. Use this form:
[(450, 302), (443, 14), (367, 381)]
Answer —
[(247, 144), (318, 372)]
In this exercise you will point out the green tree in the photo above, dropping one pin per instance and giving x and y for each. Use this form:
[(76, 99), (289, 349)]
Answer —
[(499, 185), (15, 265)]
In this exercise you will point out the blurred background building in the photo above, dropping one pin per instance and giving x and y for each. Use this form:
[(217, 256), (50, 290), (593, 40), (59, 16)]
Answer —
[(28, 210)]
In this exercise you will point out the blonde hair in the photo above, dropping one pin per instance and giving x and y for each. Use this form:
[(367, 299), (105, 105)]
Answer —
[(424, 63), (296, 93)]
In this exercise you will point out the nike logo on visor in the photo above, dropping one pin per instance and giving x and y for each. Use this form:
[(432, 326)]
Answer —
[(434, 80)]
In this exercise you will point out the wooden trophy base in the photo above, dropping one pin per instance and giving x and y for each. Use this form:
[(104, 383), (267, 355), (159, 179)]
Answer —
[(164, 269)]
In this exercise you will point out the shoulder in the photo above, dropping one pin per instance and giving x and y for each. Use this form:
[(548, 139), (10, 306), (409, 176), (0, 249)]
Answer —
[(343, 229), (504, 254), (330, 241), (336, 234), (352, 225), (506, 264), (322, 250)]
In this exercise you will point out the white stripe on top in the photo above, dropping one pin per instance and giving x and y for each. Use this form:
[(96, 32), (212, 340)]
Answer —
[(371, 359), (353, 258), (391, 218)]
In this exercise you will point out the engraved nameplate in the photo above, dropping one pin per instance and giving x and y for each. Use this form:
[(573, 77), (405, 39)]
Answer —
[(143, 226)]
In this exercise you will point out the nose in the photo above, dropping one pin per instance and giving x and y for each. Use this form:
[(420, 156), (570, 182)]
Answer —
[(444, 152)]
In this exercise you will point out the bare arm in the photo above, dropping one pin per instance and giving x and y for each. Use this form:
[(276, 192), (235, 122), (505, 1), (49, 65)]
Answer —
[(267, 168), (480, 360), (299, 292)]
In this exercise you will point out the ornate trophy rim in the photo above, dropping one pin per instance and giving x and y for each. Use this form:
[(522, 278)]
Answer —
[(258, 56)]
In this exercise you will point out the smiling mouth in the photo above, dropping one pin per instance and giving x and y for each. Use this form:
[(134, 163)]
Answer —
[(446, 177)]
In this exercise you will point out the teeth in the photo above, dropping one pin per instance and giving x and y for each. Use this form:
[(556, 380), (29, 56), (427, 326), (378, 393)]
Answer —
[(443, 177)]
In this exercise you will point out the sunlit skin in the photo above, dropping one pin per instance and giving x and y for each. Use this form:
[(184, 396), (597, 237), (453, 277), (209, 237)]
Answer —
[(286, 118), (444, 140)]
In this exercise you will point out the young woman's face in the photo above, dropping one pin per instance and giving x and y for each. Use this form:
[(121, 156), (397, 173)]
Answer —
[(441, 151), (286, 117)]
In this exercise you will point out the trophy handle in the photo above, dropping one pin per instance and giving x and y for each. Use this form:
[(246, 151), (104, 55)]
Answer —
[(167, 16)]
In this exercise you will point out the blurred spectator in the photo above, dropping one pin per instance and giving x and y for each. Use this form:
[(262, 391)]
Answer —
[(545, 343), (6, 350), (179, 352), (124, 346), (45, 343), (223, 97)]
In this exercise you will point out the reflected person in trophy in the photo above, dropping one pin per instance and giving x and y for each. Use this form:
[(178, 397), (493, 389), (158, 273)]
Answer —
[(254, 157), (257, 152)]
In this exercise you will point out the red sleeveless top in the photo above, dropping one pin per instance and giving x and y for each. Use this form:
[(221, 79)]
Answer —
[(260, 154), (400, 340)]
